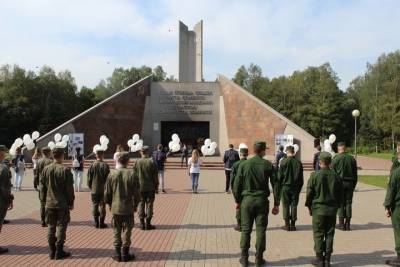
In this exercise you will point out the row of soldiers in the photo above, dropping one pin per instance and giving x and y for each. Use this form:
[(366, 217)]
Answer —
[(329, 193), (123, 190)]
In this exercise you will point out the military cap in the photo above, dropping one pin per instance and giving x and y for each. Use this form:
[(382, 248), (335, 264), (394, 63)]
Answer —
[(260, 145), (122, 156), (46, 148), (325, 156), (3, 148), (244, 150), (341, 144)]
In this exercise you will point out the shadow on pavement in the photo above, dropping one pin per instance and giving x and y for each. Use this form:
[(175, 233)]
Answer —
[(351, 259), (193, 226)]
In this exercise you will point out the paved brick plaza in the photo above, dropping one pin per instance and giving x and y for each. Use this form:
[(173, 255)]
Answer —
[(195, 230)]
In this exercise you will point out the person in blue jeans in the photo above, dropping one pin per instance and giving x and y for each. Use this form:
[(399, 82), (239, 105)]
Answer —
[(194, 164)]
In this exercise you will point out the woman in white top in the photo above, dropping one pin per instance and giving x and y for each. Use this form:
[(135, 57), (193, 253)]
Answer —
[(194, 164), (19, 168), (115, 158)]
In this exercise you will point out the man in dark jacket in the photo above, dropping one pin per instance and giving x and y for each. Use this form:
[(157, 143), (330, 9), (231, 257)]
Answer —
[(6, 198), (160, 158), (230, 157), (279, 155)]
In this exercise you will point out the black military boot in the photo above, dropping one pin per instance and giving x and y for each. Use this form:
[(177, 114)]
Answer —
[(52, 253), (244, 258), (347, 225), (102, 225), (117, 254), (319, 260), (327, 259), (293, 225), (60, 253), (237, 228), (96, 222), (394, 262), (44, 224), (149, 226), (260, 260), (142, 225), (3, 250), (341, 225), (286, 227), (126, 256)]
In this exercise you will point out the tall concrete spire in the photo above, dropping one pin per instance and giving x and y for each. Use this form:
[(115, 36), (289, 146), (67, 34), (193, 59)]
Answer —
[(191, 53)]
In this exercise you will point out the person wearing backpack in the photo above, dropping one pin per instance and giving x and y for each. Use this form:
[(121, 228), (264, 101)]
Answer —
[(160, 158), (230, 157), (77, 165), (19, 168)]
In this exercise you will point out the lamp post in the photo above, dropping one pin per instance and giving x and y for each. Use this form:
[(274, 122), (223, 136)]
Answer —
[(356, 114)]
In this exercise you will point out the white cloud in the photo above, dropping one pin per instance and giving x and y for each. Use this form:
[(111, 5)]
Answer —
[(280, 36)]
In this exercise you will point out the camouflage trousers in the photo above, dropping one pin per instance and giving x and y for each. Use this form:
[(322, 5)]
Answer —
[(3, 212), (290, 200), (122, 225), (323, 232), (99, 207), (57, 221), (146, 204)]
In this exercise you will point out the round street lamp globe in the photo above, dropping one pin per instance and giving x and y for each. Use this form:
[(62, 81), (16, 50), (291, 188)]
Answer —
[(356, 113)]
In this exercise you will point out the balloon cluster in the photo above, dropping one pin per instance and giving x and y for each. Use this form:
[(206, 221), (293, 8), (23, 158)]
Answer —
[(27, 141), (103, 146), (328, 144), (174, 145), (135, 144), (208, 149), (59, 141)]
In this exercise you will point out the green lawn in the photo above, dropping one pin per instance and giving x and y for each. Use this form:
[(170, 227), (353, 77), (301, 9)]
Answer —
[(379, 155), (378, 180)]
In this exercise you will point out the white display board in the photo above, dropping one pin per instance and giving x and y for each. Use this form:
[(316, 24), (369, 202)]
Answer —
[(75, 140), (283, 140)]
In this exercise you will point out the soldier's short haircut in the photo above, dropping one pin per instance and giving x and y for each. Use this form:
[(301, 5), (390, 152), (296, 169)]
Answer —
[(99, 152), (290, 149), (58, 154), (230, 145)]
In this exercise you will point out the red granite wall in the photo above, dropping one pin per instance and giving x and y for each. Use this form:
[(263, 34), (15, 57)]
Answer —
[(118, 118), (247, 120)]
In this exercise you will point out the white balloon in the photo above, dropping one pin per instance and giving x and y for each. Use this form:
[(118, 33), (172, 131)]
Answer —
[(95, 148), (175, 138), (19, 142), (207, 142), (204, 150), (26, 137), (105, 141), (131, 143), (135, 137), (332, 138), (27, 141), (31, 145), (213, 145), (138, 146), (104, 147), (176, 147), (211, 152), (12, 152), (51, 145), (57, 137), (65, 138), (35, 135), (170, 145)]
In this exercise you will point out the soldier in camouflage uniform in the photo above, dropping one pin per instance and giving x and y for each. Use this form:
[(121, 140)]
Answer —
[(58, 194), (97, 177), (251, 189), (244, 152), (291, 179), (324, 197), (345, 167), (392, 210), (122, 195), (6, 198), (146, 169), (43, 162)]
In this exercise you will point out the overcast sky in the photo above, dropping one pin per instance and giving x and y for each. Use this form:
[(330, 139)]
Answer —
[(280, 36)]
